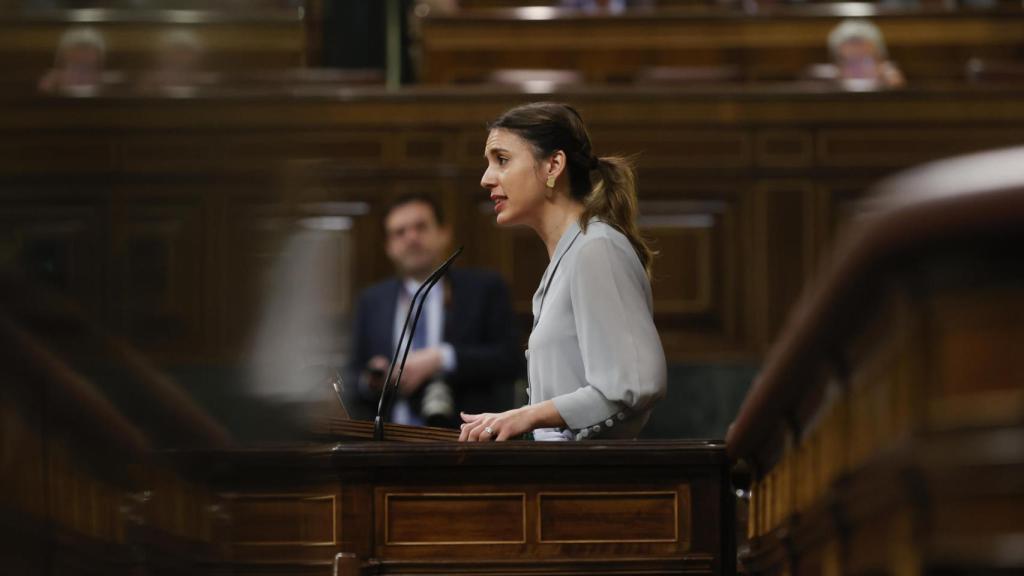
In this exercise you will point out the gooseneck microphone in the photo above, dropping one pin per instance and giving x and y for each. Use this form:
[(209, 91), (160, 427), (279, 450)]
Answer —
[(416, 305)]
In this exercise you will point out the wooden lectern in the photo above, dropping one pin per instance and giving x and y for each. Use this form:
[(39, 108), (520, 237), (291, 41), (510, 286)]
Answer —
[(441, 507), (89, 487)]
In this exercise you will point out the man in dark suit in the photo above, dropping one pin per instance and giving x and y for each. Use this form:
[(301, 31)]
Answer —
[(465, 352)]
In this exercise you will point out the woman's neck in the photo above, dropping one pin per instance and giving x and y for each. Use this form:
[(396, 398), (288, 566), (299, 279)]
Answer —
[(555, 220)]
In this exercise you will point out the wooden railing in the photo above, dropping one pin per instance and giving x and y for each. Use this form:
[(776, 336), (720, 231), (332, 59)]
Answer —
[(81, 485), (886, 421)]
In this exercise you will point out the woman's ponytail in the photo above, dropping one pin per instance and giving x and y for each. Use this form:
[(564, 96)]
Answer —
[(613, 200)]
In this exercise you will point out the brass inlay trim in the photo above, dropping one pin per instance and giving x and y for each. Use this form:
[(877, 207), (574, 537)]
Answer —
[(450, 495), (334, 517), (675, 517)]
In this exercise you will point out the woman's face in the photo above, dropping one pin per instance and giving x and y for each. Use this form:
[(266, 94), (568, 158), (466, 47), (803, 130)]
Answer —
[(514, 178)]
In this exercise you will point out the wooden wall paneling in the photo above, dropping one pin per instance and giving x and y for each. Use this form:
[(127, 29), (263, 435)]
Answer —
[(696, 274), (689, 148), (58, 239), (426, 148), (883, 147), (180, 151), (836, 204), (706, 148), (698, 223), (782, 148), (783, 233), (73, 152), (159, 243), (687, 245), (355, 147)]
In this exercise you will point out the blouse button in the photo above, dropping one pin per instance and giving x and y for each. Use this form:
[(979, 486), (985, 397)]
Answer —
[(609, 423), (585, 432), (596, 428), (621, 415)]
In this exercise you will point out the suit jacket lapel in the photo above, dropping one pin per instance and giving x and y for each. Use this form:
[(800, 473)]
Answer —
[(452, 311), (389, 308)]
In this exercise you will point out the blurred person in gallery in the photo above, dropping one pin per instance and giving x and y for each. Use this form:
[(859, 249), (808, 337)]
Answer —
[(178, 66), (79, 64), (860, 58)]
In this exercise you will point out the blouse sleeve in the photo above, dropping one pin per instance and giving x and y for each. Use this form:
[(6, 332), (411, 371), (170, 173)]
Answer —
[(623, 360)]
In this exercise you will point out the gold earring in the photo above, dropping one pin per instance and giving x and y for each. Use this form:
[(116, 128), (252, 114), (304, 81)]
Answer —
[(551, 182)]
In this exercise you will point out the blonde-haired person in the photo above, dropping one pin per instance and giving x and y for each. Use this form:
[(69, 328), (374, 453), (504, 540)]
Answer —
[(178, 65), (78, 64), (595, 362), (860, 56)]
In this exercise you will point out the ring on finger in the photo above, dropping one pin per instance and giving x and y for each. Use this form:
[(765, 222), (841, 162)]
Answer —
[(488, 430)]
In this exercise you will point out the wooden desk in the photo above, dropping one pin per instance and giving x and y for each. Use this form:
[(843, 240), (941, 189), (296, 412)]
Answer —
[(776, 44)]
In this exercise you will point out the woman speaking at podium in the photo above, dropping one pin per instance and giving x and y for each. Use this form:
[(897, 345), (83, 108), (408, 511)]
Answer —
[(595, 363)]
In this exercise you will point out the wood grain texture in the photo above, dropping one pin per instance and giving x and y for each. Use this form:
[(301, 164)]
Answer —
[(741, 190)]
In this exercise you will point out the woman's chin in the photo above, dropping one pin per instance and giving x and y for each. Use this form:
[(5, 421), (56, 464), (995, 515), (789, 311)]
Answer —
[(503, 218)]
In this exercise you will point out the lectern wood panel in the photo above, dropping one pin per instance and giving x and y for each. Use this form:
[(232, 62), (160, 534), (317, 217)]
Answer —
[(596, 518), (453, 518)]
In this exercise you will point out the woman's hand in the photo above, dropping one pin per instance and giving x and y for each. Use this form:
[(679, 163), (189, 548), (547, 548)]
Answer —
[(500, 427)]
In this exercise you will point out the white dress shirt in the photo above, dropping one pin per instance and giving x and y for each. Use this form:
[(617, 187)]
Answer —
[(433, 313)]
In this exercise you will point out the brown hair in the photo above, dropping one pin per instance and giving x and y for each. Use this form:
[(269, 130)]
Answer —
[(606, 185), (412, 198)]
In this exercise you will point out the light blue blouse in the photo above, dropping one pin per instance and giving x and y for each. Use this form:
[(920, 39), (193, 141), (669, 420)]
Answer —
[(594, 349)]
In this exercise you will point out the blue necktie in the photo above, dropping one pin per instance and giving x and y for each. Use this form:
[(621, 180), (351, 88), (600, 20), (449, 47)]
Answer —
[(419, 338)]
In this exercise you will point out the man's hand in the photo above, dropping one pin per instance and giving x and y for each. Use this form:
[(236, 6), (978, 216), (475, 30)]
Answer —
[(419, 368), (376, 370)]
